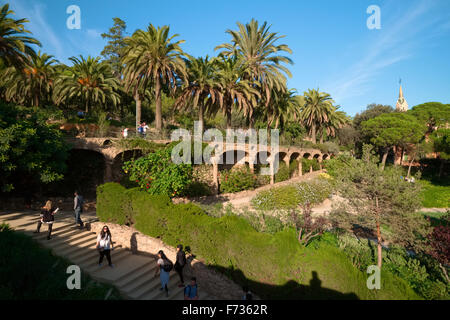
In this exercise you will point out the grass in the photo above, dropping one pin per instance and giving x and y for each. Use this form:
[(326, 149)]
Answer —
[(30, 272), (435, 194)]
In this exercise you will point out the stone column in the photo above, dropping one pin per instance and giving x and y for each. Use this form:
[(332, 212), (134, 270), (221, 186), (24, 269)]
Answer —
[(215, 172), (108, 177), (272, 175), (320, 162), (251, 165), (300, 169)]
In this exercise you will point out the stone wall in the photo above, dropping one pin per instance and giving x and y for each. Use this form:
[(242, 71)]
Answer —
[(216, 284)]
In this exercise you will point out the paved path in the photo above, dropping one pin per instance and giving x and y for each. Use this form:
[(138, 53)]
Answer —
[(132, 274)]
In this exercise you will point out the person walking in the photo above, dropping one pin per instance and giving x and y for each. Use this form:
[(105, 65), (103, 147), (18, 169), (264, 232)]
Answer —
[(125, 133), (47, 217), (144, 129), (191, 290), (247, 294), (104, 246), (141, 130), (164, 268), (180, 263), (78, 207)]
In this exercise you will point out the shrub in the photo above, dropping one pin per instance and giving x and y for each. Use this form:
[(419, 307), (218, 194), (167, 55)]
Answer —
[(197, 189), (236, 180), (283, 173), (157, 174)]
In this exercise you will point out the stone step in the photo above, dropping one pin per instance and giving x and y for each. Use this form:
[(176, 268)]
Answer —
[(124, 270), (157, 294), (117, 256), (140, 279), (70, 239), (57, 233), (75, 251), (134, 273), (143, 285), (71, 243)]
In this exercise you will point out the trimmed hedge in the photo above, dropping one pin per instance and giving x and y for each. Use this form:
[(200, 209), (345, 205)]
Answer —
[(274, 266)]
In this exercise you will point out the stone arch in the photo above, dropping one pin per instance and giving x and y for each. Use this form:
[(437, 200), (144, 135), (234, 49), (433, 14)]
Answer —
[(86, 170), (107, 143), (238, 156)]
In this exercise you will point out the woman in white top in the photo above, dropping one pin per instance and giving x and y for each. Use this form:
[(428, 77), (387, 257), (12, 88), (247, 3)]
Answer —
[(104, 246), (164, 275)]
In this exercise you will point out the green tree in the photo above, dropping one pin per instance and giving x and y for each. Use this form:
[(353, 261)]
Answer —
[(372, 110), (32, 84), (202, 89), (15, 45), (390, 130), (89, 81), (30, 150), (433, 114), (285, 107), (236, 91), (316, 110), (255, 47), (441, 144), (112, 51), (336, 120), (151, 57), (376, 199)]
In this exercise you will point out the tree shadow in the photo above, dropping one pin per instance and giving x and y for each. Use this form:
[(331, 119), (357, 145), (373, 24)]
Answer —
[(291, 290)]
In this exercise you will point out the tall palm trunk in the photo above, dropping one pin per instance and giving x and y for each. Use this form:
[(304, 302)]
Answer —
[(158, 104), (137, 98), (313, 133), (200, 119), (87, 106), (228, 114)]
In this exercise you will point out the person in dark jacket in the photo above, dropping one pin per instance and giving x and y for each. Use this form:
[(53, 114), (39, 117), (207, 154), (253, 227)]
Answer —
[(47, 217), (180, 263), (78, 207)]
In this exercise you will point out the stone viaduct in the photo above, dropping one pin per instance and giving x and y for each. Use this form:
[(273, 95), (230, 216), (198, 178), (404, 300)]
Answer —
[(252, 155)]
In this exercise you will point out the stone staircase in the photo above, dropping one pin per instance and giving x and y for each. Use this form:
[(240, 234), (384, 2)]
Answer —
[(132, 274)]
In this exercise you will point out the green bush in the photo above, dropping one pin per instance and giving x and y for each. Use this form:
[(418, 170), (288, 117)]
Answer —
[(197, 189), (236, 180), (275, 265), (283, 173), (157, 174), (30, 272)]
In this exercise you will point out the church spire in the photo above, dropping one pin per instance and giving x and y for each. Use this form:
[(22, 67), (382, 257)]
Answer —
[(401, 105)]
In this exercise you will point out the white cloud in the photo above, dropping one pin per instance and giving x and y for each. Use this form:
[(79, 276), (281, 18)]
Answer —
[(93, 33), (38, 25)]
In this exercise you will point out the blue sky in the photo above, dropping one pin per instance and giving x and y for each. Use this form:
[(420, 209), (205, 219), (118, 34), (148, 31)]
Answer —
[(333, 49)]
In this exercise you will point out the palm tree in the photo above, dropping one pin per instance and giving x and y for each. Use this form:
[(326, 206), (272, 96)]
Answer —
[(235, 90), (89, 81), (336, 120), (285, 106), (202, 89), (14, 44), (255, 47), (316, 110), (151, 58), (33, 83)]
